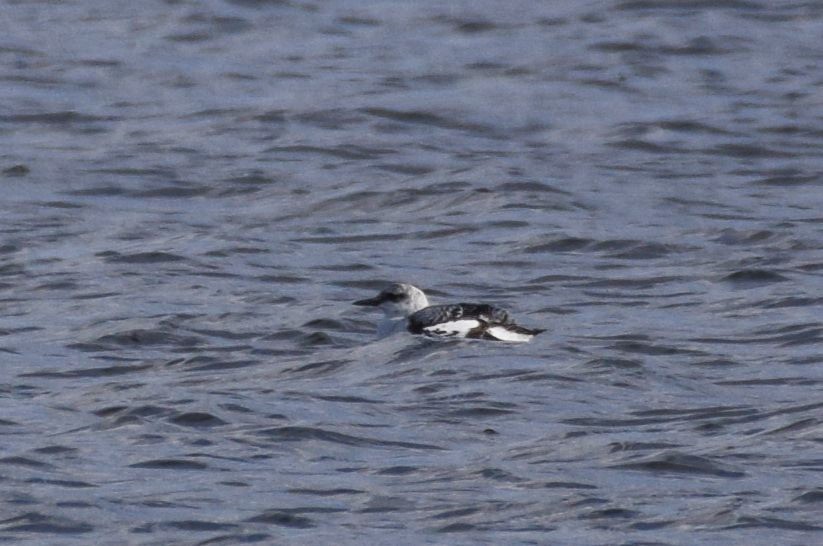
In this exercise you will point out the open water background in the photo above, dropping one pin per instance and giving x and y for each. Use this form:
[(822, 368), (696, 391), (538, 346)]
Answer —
[(193, 192)]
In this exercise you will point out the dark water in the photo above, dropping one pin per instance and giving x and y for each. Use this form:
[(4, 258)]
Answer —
[(193, 193)]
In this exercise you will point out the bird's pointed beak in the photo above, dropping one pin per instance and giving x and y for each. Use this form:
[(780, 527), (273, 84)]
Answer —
[(370, 302)]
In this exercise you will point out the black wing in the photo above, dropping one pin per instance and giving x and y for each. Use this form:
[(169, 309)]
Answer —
[(436, 314)]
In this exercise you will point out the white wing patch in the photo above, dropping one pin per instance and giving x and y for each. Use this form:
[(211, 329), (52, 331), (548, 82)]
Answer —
[(501, 333), (452, 328)]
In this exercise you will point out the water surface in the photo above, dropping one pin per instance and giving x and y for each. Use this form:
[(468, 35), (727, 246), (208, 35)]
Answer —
[(194, 192)]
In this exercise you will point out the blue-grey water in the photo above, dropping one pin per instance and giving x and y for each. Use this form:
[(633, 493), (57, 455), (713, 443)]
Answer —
[(193, 192)]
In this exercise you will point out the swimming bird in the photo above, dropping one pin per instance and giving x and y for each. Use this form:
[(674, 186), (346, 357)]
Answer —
[(406, 307)]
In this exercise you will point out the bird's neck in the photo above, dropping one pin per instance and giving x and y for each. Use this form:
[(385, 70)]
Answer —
[(389, 325)]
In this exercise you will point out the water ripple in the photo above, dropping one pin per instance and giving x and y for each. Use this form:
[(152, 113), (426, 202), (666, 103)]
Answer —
[(195, 193)]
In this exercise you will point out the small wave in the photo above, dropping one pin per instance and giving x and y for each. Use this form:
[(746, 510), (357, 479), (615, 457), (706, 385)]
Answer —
[(153, 257), (196, 419), (170, 464), (189, 525), (283, 519), (298, 434), (103, 371), (814, 496), (681, 463), (35, 522), (769, 522), (23, 461), (752, 277)]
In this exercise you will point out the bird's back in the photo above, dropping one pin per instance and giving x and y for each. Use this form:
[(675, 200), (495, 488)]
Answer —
[(470, 320), (439, 314)]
